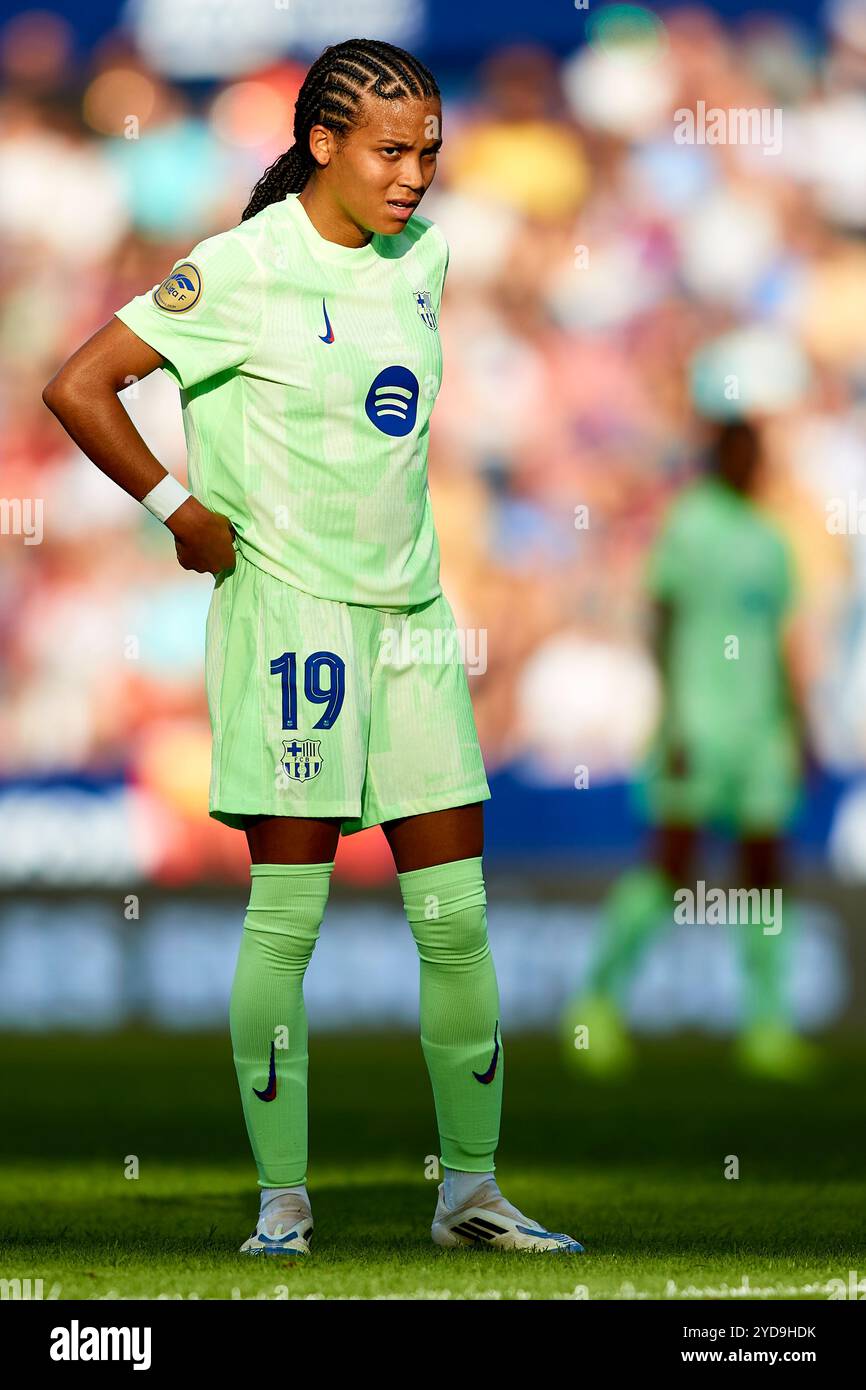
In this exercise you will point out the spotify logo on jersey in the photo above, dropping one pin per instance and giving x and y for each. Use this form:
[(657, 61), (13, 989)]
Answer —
[(392, 400)]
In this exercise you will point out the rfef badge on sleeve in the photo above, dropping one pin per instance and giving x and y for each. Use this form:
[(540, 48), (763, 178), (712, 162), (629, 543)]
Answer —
[(179, 290)]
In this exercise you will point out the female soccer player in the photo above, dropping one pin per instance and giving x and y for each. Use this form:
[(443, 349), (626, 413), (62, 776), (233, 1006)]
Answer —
[(305, 344), (728, 754)]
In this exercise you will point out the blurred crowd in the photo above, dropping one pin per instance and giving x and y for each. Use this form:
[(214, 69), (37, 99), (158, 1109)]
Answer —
[(603, 271)]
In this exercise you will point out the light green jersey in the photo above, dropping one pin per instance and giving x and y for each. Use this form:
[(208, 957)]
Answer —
[(308, 371), (726, 571)]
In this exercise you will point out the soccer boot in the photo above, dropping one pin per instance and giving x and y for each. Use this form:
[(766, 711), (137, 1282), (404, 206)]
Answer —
[(608, 1051), (776, 1053), (285, 1227), (486, 1218)]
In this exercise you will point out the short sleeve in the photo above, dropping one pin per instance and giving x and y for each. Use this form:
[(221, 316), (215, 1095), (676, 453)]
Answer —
[(204, 318)]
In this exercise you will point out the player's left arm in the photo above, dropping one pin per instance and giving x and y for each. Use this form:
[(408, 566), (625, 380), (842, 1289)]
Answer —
[(795, 685), (794, 658)]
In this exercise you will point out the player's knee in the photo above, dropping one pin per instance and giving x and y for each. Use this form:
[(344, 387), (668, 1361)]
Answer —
[(446, 906), (286, 907), (454, 937)]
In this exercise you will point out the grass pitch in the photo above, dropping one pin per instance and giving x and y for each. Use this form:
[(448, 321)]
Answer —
[(635, 1171)]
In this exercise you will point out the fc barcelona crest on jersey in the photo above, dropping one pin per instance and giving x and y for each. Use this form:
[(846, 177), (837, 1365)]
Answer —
[(301, 758), (425, 308)]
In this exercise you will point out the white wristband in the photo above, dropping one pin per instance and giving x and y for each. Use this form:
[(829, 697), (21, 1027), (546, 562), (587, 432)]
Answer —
[(166, 497)]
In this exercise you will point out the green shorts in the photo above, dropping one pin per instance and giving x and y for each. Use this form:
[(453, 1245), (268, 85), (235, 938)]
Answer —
[(327, 709), (747, 781)]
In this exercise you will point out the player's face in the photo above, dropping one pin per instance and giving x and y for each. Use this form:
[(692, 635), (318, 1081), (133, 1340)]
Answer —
[(385, 165)]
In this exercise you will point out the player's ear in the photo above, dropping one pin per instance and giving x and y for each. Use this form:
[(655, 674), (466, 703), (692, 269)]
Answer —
[(321, 145)]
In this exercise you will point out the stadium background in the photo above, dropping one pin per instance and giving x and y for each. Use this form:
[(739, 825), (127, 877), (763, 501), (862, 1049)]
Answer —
[(130, 132), (127, 133)]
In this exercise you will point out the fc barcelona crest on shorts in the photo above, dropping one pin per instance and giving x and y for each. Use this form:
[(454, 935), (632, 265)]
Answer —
[(425, 308), (301, 758)]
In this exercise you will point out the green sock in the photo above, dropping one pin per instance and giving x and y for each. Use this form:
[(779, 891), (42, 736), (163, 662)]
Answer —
[(765, 964), (268, 1021), (461, 1037), (638, 903)]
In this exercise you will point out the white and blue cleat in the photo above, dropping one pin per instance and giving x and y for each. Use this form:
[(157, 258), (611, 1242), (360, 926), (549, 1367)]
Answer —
[(284, 1228), (486, 1218)]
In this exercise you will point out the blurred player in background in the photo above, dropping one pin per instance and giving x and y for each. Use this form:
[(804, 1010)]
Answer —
[(305, 342), (728, 752)]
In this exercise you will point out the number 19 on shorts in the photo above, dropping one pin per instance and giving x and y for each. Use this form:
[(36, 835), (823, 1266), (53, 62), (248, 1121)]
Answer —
[(324, 684)]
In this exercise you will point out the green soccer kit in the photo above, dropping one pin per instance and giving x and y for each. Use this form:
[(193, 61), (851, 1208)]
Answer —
[(308, 371), (726, 573), (333, 709)]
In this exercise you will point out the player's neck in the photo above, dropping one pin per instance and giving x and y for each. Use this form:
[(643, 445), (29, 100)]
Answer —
[(731, 489), (329, 220)]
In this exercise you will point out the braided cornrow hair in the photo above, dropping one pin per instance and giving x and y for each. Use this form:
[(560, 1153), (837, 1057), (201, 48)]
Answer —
[(331, 95)]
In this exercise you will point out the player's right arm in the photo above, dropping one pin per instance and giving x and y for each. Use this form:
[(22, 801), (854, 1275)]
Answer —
[(661, 627), (666, 579), (83, 395)]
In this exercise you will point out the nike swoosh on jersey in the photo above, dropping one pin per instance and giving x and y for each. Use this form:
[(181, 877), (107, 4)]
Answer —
[(270, 1091), (329, 336), (487, 1076)]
